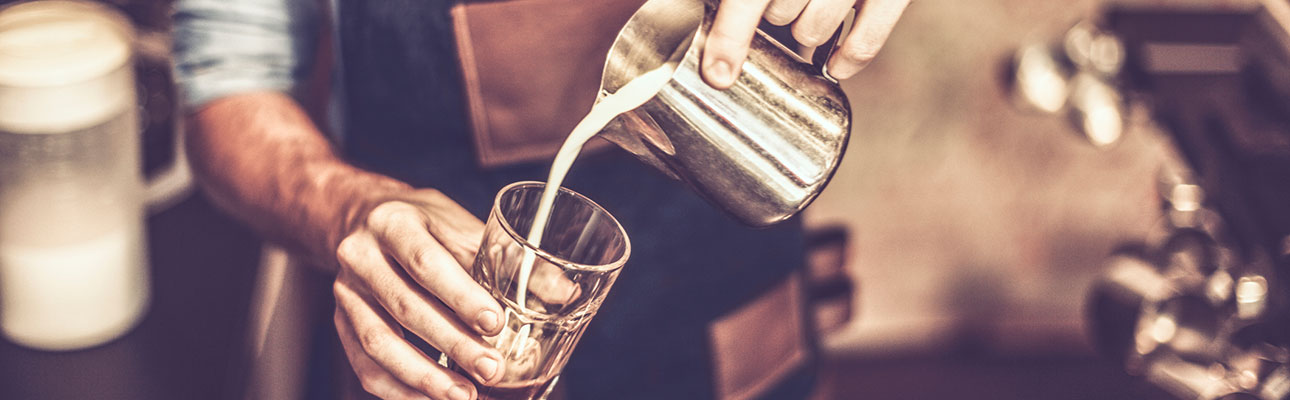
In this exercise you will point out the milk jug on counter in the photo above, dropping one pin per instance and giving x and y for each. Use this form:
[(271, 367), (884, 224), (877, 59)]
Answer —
[(73, 265)]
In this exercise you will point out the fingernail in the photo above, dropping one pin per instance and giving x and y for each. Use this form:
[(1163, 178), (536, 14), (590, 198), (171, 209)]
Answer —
[(486, 367), (459, 392), (720, 73), (842, 71), (487, 321)]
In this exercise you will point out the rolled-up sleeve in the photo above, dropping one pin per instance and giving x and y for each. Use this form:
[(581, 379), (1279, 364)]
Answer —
[(224, 47)]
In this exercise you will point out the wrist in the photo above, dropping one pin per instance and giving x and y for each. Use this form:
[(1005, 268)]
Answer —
[(349, 193)]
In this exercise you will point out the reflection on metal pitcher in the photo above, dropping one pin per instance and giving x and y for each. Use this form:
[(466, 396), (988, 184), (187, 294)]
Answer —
[(760, 150)]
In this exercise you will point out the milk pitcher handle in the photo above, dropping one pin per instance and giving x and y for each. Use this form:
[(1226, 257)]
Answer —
[(174, 182), (820, 58)]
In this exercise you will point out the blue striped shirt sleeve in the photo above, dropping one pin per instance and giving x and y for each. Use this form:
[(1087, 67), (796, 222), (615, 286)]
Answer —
[(224, 47)]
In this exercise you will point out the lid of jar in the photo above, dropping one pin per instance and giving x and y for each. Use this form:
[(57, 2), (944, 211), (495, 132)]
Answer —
[(58, 42), (61, 65)]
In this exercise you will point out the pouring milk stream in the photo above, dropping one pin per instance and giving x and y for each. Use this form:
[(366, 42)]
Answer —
[(630, 96), (760, 150)]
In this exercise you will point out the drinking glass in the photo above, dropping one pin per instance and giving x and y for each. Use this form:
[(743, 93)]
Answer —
[(549, 292)]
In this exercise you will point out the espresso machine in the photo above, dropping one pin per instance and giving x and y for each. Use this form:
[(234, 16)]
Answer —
[(1199, 307)]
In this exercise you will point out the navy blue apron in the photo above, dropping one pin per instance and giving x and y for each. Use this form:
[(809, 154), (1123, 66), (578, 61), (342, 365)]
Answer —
[(690, 264)]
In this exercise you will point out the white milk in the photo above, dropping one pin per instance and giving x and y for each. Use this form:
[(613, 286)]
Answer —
[(73, 295), (627, 98)]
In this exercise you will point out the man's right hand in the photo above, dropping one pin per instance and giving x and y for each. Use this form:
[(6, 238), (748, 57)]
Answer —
[(402, 267), (397, 252)]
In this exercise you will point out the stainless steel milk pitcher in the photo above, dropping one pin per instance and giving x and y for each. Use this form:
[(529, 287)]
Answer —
[(761, 150)]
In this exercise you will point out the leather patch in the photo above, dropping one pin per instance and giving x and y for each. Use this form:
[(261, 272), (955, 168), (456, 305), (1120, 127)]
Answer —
[(759, 344), (531, 69)]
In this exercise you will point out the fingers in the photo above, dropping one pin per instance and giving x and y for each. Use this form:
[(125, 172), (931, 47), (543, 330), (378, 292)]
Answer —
[(373, 378), (550, 285), (362, 327), (365, 268), (455, 228), (400, 230), (819, 20), (727, 43), (546, 282), (874, 24), (783, 12)]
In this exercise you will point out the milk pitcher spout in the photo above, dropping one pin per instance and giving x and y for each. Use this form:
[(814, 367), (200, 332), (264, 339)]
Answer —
[(761, 150)]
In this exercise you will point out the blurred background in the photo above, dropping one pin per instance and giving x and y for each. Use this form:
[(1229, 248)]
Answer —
[(970, 215), (1063, 200)]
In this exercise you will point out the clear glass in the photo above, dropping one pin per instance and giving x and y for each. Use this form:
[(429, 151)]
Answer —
[(567, 277)]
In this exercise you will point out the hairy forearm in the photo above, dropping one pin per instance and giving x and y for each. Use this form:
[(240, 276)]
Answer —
[(261, 158)]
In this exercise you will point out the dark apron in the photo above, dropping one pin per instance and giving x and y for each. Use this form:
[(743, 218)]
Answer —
[(690, 264)]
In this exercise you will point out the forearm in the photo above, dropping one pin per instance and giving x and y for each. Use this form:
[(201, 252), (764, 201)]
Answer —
[(261, 158)]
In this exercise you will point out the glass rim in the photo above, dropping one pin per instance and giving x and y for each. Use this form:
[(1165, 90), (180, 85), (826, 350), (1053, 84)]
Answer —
[(523, 240)]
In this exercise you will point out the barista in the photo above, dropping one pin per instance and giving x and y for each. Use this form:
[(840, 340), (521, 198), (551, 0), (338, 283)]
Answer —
[(706, 308)]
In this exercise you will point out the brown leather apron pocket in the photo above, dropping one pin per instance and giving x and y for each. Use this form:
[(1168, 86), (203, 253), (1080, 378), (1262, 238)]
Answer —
[(759, 344), (531, 69)]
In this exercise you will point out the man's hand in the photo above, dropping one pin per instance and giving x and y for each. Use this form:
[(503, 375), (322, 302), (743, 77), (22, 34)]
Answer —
[(402, 266), (814, 21)]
